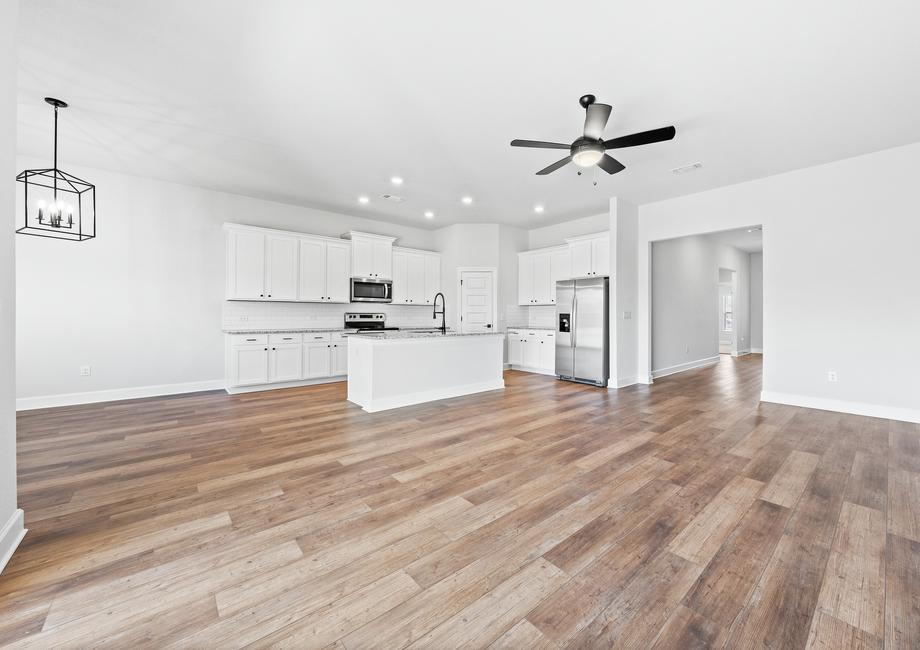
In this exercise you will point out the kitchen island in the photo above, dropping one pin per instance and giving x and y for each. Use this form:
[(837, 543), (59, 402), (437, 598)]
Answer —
[(390, 369)]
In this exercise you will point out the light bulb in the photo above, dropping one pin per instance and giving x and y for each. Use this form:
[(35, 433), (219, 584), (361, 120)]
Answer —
[(363, 200), (467, 200)]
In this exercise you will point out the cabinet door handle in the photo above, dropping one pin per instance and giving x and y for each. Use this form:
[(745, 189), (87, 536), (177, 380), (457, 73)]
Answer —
[(261, 295), (266, 349), (274, 349), (253, 340)]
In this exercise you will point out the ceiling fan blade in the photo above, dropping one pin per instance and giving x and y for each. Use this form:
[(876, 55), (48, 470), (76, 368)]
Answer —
[(645, 137), (537, 144), (556, 165), (610, 165), (596, 116)]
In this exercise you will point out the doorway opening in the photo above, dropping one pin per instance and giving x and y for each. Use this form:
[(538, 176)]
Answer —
[(728, 343)]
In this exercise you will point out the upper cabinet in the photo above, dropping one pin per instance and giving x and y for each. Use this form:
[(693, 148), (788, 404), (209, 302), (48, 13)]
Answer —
[(590, 255), (261, 266), (371, 255), (324, 270), (273, 265), (538, 272), (416, 276)]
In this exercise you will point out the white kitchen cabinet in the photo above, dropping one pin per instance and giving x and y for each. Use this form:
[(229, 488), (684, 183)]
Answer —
[(249, 364), (538, 271), (372, 256), (339, 358), (432, 277), (560, 268), (312, 270), (532, 350), (324, 270), (547, 357), (541, 278), (281, 270), (416, 276), (590, 255), (416, 279), (400, 278), (515, 348), (285, 362), (317, 358), (245, 265)]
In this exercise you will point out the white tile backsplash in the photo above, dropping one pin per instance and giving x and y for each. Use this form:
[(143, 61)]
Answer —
[(294, 315), (542, 316)]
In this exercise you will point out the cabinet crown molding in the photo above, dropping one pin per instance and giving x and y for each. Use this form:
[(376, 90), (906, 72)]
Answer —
[(353, 234), (546, 249), (239, 227), (605, 233), (403, 249)]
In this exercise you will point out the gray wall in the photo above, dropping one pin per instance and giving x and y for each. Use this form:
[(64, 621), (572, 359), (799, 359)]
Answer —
[(757, 302), (685, 277)]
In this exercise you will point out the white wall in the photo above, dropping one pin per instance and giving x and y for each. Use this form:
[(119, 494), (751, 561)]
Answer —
[(465, 245), (840, 277), (11, 522), (685, 318), (624, 230), (556, 234), (142, 303), (756, 302)]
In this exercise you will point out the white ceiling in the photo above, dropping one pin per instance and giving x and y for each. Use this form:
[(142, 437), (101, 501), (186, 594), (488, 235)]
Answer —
[(750, 240), (316, 103)]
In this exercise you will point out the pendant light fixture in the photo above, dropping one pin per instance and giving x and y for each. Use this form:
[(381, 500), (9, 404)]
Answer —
[(57, 204)]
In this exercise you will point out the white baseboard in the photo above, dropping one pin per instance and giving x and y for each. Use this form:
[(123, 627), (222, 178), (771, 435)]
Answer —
[(756, 350), (622, 382), (10, 536), (234, 390), (115, 394), (681, 367), (421, 397), (841, 406), (741, 353)]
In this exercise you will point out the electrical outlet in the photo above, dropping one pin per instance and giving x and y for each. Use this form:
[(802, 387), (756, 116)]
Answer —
[(86, 371), (832, 376), (627, 315)]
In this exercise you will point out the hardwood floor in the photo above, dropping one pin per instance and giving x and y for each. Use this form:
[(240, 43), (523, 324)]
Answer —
[(548, 515)]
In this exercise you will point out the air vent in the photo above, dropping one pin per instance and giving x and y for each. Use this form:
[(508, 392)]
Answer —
[(692, 167), (392, 197)]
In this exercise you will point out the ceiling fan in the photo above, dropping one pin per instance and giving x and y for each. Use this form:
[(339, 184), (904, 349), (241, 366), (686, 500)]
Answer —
[(590, 149)]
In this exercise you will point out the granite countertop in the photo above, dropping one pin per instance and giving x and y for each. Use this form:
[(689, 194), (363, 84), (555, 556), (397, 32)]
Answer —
[(315, 330), (531, 327), (298, 330), (401, 335)]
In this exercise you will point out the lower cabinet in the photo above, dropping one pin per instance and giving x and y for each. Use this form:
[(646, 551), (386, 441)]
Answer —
[(532, 350), (281, 358)]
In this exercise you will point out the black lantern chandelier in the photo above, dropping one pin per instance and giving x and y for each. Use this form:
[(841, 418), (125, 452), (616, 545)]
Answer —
[(57, 204)]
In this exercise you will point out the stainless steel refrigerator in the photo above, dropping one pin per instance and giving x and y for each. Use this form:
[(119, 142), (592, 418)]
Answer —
[(582, 334)]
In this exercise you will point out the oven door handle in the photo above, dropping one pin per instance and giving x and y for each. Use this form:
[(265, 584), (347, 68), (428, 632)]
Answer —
[(386, 289)]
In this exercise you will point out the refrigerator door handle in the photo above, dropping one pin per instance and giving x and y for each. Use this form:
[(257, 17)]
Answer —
[(574, 327)]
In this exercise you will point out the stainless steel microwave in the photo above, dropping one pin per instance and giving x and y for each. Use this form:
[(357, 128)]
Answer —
[(371, 290)]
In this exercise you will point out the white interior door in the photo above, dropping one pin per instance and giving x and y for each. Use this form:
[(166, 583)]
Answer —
[(726, 319), (476, 301)]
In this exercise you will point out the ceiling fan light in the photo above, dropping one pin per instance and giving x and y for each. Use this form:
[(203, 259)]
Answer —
[(587, 156)]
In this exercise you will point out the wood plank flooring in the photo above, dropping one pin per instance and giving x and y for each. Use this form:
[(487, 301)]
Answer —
[(547, 515)]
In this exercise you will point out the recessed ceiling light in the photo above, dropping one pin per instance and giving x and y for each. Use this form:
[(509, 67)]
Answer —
[(467, 200), (396, 180), (363, 200), (429, 214), (538, 209)]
